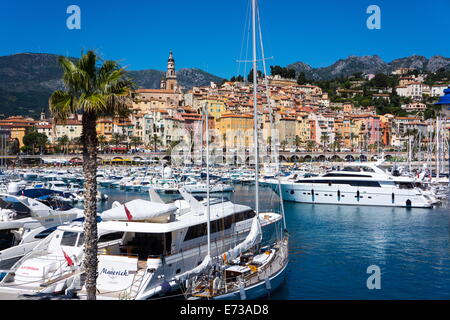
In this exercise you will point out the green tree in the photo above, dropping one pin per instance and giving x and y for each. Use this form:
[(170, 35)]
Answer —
[(93, 91), (116, 139), (33, 140), (102, 142), (136, 141), (283, 144), (250, 75), (155, 141), (324, 138), (63, 143), (310, 145), (297, 142), (301, 80)]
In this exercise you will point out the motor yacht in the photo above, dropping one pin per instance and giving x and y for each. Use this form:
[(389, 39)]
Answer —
[(356, 184)]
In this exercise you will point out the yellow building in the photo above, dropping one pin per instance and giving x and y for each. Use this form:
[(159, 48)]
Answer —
[(216, 108), (237, 130), (303, 129), (17, 127), (105, 128)]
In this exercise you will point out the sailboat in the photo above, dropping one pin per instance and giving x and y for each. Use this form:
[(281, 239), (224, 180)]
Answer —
[(247, 271)]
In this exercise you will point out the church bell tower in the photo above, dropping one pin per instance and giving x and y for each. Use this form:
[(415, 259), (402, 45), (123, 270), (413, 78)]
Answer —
[(171, 77)]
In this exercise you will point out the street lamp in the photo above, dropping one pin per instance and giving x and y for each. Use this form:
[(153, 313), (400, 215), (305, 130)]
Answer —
[(444, 104)]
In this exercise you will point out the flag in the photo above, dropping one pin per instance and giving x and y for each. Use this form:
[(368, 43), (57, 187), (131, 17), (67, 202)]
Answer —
[(128, 213), (69, 261)]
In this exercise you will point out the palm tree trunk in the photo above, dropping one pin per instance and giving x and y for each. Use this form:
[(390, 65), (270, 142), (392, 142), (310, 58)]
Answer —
[(89, 136)]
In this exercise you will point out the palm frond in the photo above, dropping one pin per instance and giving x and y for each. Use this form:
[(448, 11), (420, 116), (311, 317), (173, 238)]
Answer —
[(62, 105), (93, 103)]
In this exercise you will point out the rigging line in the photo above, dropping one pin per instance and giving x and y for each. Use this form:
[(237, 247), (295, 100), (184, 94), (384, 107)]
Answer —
[(243, 38), (246, 51)]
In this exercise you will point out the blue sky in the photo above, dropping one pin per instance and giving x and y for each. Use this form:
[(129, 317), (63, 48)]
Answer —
[(207, 34)]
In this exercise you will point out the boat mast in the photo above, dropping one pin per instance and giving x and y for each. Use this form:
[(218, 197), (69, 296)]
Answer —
[(263, 59), (438, 147), (255, 108), (208, 218)]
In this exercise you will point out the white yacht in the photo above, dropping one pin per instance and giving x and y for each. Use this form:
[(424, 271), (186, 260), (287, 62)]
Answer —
[(24, 222), (54, 263), (201, 187), (356, 184), (153, 243)]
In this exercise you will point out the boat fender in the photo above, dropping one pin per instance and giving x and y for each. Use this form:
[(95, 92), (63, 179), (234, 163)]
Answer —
[(165, 287), (268, 285), (216, 284), (242, 293)]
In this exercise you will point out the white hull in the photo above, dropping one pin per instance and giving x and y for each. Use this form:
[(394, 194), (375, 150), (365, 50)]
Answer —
[(325, 194)]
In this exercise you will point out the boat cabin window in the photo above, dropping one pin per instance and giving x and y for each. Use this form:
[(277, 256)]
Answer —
[(241, 216), (45, 233), (146, 245), (6, 239), (69, 238), (218, 225), (405, 185), (21, 210), (346, 175), (353, 183), (110, 237), (358, 169)]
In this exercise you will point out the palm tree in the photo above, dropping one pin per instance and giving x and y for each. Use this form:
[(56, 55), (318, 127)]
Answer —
[(92, 91), (324, 138), (269, 143), (224, 138), (297, 142), (337, 142), (353, 136), (135, 141), (283, 144), (116, 139), (75, 143), (155, 141), (102, 142), (63, 142), (172, 145), (310, 145)]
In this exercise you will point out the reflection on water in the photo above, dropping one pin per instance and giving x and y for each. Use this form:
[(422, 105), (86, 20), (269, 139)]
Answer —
[(331, 247)]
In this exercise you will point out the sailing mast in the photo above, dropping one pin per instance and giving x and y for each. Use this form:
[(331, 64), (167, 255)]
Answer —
[(255, 108), (263, 59), (438, 149), (208, 220)]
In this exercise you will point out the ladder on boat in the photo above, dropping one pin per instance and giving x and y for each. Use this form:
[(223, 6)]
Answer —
[(137, 281)]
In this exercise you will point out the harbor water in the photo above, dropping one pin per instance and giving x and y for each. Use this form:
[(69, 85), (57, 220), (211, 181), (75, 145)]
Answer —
[(331, 248)]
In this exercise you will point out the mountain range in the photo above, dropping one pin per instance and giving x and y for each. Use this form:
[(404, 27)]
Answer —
[(27, 79), (369, 64)]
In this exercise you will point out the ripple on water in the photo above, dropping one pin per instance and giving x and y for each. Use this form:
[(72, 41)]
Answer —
[(332, 246)]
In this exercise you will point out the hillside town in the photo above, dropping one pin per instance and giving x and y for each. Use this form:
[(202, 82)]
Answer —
[(294, 115)]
